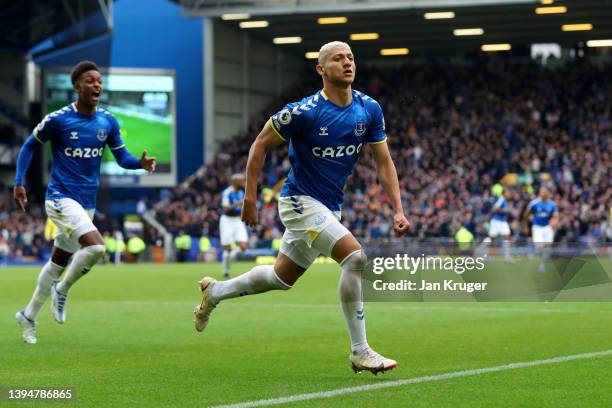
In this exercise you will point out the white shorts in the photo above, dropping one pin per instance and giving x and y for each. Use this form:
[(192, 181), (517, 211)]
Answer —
[(498, 227), (72, 221), (232, 230), (311, 229), (542, 235)]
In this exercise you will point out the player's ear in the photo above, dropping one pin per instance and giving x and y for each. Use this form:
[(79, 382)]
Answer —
[(320, 69)]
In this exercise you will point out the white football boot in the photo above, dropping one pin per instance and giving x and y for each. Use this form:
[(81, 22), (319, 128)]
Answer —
[(368, 359), (28, 327), (203, 310), (58, 304)]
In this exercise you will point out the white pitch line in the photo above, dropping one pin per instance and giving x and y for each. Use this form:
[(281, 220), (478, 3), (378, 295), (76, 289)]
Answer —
[(416, 380)]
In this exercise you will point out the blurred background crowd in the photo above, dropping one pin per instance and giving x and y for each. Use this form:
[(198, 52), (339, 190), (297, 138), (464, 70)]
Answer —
[(454, 131)]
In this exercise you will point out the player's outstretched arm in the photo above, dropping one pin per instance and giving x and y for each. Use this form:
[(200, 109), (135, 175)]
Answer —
[(266, 140), (127, 161), (23, 162), (388, 178)]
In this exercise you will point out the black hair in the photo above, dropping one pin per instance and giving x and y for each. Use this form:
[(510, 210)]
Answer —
[(80, 68)]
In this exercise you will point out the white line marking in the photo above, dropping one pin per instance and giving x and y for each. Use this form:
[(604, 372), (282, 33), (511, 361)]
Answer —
[(416, 380)]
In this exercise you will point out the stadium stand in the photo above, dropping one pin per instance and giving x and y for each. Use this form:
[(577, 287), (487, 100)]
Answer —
[(454, 131)]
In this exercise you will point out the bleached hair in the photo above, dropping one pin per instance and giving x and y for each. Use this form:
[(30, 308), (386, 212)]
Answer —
[(326, 50)]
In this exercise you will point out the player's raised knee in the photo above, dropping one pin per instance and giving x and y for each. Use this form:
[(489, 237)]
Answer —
[(355, 260), (95, 251)]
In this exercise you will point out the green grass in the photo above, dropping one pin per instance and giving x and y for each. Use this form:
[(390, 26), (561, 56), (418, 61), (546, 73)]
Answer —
[(129, 342)]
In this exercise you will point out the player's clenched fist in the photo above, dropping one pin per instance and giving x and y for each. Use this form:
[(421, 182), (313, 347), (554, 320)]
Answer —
[(20, 196), (400, 224), (249, 213)]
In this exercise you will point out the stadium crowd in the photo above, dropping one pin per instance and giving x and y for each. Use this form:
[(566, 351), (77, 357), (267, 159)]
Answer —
[(21, 233), (454, 131)]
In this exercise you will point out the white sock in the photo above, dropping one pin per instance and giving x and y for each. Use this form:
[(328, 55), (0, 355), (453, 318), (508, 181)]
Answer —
[(507, 245), (48, 274), (225, 261), (234, 252), (351, 298), (483, 248), (545, 254), (260, 279), (82, 261)]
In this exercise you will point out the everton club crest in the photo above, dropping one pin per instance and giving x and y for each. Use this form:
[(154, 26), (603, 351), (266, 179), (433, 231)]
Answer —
[(102, 135), (360, 129)]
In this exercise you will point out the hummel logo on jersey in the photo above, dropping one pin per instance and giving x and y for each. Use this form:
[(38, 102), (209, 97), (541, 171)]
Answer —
[(74, 135), (323, 131)]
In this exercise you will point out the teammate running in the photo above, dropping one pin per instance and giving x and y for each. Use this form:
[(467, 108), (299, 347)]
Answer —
[(325, 132), (231, 227), (542, 212), (78, 134)]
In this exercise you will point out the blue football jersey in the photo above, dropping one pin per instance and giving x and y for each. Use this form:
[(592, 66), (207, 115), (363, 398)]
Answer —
[(324, 143), (501, 204), (230, 197), (77, 145), (542, 212)]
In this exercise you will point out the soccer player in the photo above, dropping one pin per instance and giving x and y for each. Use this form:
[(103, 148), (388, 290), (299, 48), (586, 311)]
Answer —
[(325, 132), (499, 223), (78, 134), (231, 227), (542, 212)]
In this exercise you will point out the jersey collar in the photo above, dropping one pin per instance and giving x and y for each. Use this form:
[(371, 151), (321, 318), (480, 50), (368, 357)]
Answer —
[(324, 95), (74, 108)]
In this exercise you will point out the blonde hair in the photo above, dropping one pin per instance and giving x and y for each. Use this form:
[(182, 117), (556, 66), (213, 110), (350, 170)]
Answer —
[(326, 50)]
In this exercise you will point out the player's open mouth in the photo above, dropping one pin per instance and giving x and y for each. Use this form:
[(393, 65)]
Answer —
[(96, 94)]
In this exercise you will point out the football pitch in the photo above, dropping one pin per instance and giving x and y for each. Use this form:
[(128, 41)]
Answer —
[(129, 341)]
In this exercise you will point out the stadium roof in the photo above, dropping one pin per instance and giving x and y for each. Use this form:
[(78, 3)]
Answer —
[(26, 23), (402, 24)]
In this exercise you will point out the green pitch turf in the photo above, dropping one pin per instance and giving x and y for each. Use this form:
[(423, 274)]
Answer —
[(129, 342)]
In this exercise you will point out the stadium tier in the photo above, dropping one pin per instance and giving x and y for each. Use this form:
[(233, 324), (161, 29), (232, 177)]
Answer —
[(454, 131)]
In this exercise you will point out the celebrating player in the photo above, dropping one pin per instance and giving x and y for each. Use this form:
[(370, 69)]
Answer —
[(78, 134), (231, 227), (325, 132), (542, 214)]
